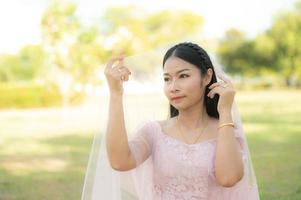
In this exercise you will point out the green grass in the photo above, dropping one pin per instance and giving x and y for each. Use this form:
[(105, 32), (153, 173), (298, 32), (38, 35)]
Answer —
[(273, 125), (53, 169), (44, 153)]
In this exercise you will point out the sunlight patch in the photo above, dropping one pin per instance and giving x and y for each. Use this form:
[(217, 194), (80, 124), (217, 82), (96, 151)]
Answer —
[(22, 167)]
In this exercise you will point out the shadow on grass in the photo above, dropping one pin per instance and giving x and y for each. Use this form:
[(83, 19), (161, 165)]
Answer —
[(56, 175)]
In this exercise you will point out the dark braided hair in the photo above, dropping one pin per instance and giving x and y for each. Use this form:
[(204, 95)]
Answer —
[(196, 55)]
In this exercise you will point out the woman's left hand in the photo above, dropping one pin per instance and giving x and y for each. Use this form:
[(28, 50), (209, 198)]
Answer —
[(226, 93)]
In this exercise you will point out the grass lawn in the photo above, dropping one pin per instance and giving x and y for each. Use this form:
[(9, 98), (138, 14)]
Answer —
[(44, 153)]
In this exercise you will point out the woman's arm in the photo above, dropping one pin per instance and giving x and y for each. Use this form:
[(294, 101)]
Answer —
[(228, 161), (119, 153)]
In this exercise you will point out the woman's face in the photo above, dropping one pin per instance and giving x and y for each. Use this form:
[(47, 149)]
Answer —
[(183, 80)]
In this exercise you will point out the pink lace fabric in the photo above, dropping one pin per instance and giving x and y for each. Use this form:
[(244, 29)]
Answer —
[(180, 171)]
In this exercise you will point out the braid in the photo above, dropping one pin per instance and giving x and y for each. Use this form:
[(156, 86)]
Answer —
[(200, 51)]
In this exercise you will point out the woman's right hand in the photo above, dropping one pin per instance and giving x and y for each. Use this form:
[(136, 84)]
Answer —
[(115, 75)]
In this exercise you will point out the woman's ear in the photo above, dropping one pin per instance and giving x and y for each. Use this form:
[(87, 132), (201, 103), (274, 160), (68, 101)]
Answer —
[(208, 77)]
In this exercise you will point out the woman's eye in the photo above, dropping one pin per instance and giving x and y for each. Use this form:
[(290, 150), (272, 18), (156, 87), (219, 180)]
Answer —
[(184, 75), (181, 76)]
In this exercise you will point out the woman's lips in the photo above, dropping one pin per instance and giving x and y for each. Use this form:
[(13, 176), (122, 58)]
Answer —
[(176, 98)]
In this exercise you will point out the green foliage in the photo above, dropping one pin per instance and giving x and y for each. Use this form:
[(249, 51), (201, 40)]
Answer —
[(168, 26), (277, 50), (148, 30), (85, 56), (24, 66), (229, 49), (133, 31), (28, 95), (286, 33), (58, 21), (33, 95)]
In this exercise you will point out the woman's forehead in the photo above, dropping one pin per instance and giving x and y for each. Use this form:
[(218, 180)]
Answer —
[(174, 65)]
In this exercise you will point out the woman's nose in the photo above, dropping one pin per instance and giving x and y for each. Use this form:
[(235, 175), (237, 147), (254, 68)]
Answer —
[(173, 86)]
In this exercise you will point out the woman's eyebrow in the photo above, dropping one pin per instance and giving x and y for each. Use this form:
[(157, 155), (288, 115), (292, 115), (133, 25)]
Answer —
[(177, 71)]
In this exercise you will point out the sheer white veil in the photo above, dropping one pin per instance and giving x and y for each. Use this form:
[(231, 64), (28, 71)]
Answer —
[(104, 183)]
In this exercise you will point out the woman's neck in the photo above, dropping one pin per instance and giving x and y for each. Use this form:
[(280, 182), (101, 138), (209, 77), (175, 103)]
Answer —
[(192, 119)]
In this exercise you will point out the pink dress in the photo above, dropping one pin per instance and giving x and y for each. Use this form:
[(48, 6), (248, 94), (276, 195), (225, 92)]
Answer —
[(181, 171)]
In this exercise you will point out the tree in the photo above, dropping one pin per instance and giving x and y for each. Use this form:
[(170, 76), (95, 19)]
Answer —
[(233, 52), (24, 66), (286, 34), (276, 51)]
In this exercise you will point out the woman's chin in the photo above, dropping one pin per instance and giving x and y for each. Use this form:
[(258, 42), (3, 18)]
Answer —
[(179, 106)]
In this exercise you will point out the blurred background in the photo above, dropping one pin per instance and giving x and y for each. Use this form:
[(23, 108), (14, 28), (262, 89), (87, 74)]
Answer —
[(53, 93)]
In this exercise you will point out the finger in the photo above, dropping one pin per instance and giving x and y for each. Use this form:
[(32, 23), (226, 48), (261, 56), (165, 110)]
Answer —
[(211, 93), (124, 77), (214, 91), (125, 74), (112, 60), (224, 78), (121, 62), (119, 69), (128, 71), (123, 69), (215, 84)]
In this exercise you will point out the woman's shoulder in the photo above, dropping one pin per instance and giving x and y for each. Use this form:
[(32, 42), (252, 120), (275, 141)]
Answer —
[(151, 125), (163, 124), (156, 122), (157, 125)]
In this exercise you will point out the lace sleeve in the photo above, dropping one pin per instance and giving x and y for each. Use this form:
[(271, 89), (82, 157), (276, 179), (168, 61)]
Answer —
[(141, 144)]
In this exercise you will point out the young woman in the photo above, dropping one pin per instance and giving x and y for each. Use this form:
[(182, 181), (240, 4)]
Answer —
[(199, 152)]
